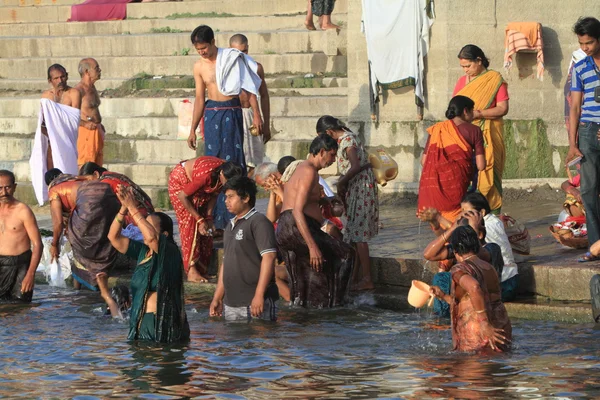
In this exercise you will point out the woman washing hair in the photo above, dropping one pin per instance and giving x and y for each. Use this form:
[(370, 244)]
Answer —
[(453, 149)]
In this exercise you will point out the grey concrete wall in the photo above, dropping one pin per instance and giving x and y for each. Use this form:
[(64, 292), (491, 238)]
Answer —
[(480, 22)]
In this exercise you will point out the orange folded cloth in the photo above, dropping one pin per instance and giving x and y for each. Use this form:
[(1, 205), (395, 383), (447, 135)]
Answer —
[(524, 36)]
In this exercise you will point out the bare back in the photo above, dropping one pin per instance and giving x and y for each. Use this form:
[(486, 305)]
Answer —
[(206, 71), (14, 219), (90, 103), (303, 189)]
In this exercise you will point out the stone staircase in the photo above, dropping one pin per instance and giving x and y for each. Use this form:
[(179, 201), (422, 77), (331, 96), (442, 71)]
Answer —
[(146, 64)]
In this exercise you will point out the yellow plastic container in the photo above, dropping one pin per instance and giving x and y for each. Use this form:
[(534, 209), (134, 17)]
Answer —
[(384, 167)]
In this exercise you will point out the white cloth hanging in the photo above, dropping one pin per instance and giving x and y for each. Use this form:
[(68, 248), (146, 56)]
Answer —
[(236, 71)]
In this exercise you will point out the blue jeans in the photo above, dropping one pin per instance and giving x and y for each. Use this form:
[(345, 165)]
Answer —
[(589, 145)]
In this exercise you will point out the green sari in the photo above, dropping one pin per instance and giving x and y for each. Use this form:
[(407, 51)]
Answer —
[(162, 273)]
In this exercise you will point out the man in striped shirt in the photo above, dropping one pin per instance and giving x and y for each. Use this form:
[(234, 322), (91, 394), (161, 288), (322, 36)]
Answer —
[(584, 130)]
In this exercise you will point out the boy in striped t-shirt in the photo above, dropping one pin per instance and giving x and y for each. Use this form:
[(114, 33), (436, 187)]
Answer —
[(584, 130)]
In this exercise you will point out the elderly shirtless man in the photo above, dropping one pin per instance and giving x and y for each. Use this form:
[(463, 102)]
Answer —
[(90, 143), (55, 143), (319, 266), (19, 233), (225, 73), (254, 144)]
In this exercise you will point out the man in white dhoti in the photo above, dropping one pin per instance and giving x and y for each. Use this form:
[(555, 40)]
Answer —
[(254, 144), (55, 142)]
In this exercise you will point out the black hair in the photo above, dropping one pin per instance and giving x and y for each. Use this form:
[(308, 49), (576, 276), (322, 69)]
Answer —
[(587, 26), (166, 225), (51, 175), (478, 201), (120, 294), (284, 162), (229, 169), (458, 105), (90, 167), (5, 172), (244, 187), (327, 122), (56, 67), (203, 34), (238, 38), (464, 240), (462, 221), (322, 142), (473, 53)]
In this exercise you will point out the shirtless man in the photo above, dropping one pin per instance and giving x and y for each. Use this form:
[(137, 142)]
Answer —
[(319, 266), (90, 143), (18, 234), (254, 148), (61, 92), (222, 123)]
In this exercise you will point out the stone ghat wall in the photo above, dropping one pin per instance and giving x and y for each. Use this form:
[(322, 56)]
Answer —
[(535, 134)]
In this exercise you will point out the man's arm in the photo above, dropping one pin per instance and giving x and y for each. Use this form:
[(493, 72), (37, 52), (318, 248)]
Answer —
[(574, 116), (267, 266), (216, 306), (31, 227), (265, 105), (256, 119), (58, 227), (198, 105), (302, 193), (75, 96)]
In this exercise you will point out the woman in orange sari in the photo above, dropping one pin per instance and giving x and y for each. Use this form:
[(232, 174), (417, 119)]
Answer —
[(479, 318), (488, 90), (453, 148)]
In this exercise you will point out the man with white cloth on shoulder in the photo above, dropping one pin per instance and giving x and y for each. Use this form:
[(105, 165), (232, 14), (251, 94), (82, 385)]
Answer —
[(55, 142), (225, 73)]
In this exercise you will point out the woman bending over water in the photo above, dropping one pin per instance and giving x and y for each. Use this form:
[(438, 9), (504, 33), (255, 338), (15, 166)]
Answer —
[(157, 312), (477, 313)]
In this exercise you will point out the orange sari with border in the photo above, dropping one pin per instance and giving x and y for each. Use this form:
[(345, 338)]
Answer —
[(482, 90), (447, 171)]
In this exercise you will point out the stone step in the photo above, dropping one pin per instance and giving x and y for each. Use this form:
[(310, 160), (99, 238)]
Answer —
[(33, 87), (168, 44), (139, 26), (37, 3), (188, 9), (126, 67), (292, 106)]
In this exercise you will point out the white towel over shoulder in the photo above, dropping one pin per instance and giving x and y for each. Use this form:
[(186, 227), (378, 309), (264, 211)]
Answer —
[(62, 123), (236, 71)]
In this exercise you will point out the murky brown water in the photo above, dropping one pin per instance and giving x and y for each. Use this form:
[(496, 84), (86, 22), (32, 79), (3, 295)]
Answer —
[(62, 347)]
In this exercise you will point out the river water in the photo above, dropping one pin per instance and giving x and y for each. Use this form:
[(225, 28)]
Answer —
[(62, 346)]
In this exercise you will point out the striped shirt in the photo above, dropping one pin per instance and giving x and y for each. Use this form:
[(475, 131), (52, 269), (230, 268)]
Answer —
[(585, 79)]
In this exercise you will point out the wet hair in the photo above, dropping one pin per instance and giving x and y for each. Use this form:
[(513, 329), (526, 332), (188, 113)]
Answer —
[(238, 38), (478, 201), (166, 225), (322, 142), (465, 222), (327, 122), (458, 105), (229, 169), (265, 169), (120, 294), (473, 53), (587, 26), (90, 167), (202, 34), (464, 240), (5, 172), (51, 175), (56, 67), (284, 162), (244, 187)]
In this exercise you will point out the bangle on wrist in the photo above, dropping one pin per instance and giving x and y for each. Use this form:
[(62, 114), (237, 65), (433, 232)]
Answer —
[(480, 311), (444, 237)]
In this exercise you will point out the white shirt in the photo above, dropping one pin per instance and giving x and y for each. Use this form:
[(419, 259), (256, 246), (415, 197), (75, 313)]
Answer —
[(495, 233)]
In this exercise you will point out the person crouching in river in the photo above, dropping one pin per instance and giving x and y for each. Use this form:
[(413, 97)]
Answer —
[(479, 318), (157, 307), (19, 233)]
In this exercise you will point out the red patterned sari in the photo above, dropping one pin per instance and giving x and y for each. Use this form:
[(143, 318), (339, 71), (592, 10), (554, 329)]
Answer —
[(115, 179)]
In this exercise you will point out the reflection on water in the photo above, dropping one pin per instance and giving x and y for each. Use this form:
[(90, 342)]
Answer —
[(62, 347)]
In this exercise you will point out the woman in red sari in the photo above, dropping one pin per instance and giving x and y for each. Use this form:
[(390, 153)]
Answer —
[(479, 319), (453, 148), (194, 186)]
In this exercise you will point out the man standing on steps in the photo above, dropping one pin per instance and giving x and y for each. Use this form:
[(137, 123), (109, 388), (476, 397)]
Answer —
[(90, 143), (225, 73), (55, 143), (254, 144)]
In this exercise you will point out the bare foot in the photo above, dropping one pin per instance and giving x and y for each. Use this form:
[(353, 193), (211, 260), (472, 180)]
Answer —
[(310, 25), (364, 285), (195, 276), (330, 26)]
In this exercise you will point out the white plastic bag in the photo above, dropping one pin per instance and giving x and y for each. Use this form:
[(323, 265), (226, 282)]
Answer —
[(56, 276)]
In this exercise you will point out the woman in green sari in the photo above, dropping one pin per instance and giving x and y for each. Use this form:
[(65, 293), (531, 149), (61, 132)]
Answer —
[(157, 311)]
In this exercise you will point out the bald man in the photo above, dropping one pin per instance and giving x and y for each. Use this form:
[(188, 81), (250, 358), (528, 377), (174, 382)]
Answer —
[(254, 146), (90, 142)]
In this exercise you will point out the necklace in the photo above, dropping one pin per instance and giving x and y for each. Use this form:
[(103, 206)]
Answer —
[(471, 256)]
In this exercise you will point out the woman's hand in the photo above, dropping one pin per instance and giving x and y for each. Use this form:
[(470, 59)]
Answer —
[(342, 188), (437, 292), (273, 184), (205, 227), (125, 196), (430, 215), (474, 217), (492, 336)]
